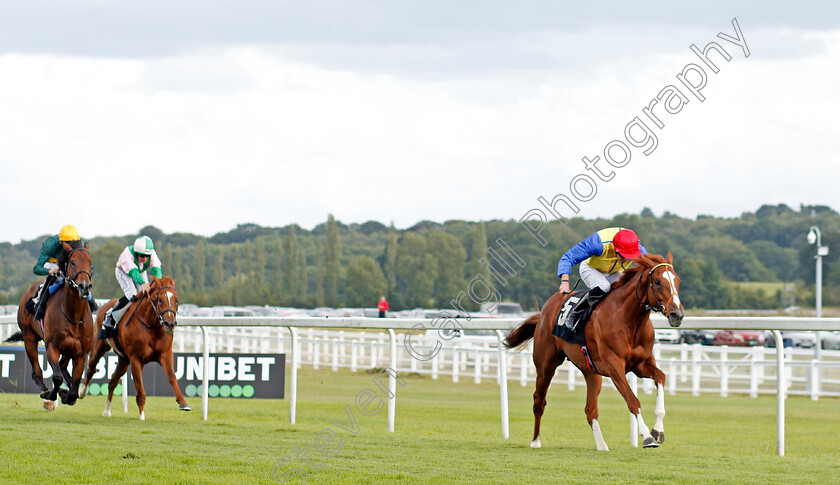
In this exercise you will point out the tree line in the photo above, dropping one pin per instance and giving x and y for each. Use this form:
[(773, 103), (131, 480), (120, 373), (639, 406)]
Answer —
[(428, 264)]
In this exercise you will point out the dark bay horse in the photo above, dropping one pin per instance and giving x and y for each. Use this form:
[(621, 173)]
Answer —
[(144, 334), (619, 339), (67, 327)]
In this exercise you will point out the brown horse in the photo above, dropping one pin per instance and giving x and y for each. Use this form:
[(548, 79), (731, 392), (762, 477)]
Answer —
[(67, 327), (144, 335), (619, 339)]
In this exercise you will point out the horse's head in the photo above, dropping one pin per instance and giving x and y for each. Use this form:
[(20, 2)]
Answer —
[(77, 266), (663, 290), (164, 300)]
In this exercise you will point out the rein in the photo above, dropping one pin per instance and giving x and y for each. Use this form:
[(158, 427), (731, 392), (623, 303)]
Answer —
[(660, 308)]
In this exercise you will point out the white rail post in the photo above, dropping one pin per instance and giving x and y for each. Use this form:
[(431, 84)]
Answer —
[(125, 392), (756, 370), (724, 372), (205, 369), (455, 364), (523, 369), (503, 385), (696, 356), (780, 394), (634, 424), (570, 377), (477, 373), (672, 377), (392, 382), (293, 379), (815, 379)]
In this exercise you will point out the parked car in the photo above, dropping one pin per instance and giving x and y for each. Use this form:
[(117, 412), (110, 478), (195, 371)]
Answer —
[(801, 340), (504, 308), (739, 338), (697, 336), (831, 340)]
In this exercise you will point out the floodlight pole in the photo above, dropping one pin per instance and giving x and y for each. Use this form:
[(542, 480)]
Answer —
[(815, 237)]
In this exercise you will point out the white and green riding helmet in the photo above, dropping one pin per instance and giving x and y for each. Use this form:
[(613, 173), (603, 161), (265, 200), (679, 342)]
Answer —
[(144, 245)]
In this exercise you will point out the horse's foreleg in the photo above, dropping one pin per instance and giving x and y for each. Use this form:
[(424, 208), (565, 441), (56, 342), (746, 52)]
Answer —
[(137, 375), (593, 389), (544, 375), (649, 369), (122, 366), (67, 379), (53, 357), (99, 349), (168, 364), (76, 378), (620, 381)]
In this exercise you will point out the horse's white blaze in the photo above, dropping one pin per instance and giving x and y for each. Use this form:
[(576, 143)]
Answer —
[(169, 296), (672, 279), (107, 411), (536, 443), (600, 444), (643, 429), (659, 412)]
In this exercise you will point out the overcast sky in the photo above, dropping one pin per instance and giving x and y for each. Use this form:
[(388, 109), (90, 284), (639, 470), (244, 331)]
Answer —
[(196, 116)]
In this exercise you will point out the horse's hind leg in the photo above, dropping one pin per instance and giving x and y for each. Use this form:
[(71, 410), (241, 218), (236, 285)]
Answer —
[(99, 349), (122, 366), (593, 389), (544, 375), (30, 343), (648, 369)]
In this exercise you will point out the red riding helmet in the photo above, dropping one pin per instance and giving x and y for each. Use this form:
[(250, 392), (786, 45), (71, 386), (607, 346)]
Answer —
[(626, 243)]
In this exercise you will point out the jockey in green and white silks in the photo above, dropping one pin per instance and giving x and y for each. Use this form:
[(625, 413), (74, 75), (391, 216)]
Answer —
[(134, 265)]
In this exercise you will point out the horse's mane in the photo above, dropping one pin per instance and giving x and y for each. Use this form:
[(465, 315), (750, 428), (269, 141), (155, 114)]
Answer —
[(645, 261)]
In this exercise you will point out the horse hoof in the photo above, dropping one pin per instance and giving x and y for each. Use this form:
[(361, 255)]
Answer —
[(106, 413), (143, 416), (184, 407), (82, 392), (45, 395), (536, 444), (49, 405), (658, 435), (650, 443), (64, 396)]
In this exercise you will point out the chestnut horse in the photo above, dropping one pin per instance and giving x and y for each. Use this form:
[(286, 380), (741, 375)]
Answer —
[(144, 334), (619, 339), (67, 327)]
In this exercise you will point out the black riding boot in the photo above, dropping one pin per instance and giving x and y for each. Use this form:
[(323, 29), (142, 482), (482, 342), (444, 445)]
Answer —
[(41, 306), (583, 308), (109, 323)]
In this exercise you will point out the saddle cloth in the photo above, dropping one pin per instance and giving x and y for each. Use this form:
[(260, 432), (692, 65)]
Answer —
[(562, 331)]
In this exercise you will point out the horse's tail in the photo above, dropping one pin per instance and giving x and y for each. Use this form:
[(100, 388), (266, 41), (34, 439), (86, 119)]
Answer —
[(523, 333), (16, 337)]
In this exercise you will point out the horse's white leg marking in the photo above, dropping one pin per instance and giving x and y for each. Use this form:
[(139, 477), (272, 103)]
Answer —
[(536, 443), (107, 412), (659, 412), (143, 415), (671, 277), (600, 444), (82, 390), (643, 429)]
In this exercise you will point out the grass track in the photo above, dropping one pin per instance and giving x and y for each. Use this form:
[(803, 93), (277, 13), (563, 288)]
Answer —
[(445, 433)]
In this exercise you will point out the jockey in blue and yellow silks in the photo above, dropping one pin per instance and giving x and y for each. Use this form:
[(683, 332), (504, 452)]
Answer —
[(603, 256)]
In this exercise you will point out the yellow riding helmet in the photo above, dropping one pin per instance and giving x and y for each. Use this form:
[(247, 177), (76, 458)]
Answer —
[(68, 233)]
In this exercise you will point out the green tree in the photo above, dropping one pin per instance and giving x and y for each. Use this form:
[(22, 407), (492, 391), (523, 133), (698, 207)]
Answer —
[(277, 292), (333, 275), (450, 257), (320, 272), (365, 282), (199, 268), (104, 262), (391, 260), (302, 279), (416, 271), (291, 274)]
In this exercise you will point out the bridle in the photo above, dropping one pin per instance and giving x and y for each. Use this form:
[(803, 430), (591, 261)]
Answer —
[(159, 314), (72, 282), (660, 307)]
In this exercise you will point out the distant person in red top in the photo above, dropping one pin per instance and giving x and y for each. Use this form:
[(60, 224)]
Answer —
[(383, 307)]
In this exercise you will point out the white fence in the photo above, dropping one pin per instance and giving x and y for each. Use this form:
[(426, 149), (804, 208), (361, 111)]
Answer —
[(690, 368), (726, 371)]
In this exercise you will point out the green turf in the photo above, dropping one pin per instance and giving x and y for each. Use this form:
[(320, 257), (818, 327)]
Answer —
[(445, 433)]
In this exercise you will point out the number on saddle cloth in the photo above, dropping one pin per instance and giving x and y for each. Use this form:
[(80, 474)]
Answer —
[(570, 310)]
